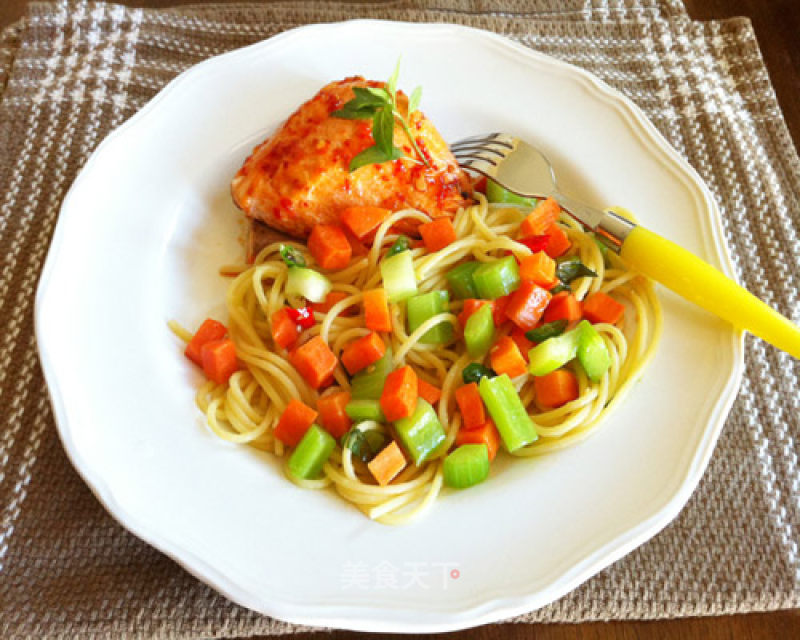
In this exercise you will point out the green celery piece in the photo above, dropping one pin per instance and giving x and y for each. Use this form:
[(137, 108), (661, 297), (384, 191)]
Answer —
[(399, 279), (479, 332), (553, 353), (466, 466), (364, 409), (460, 280), (308, 284), (424, 306), (496, 193), (311, 453), (421, 432), (508, 413), (592, 351), (368, 384), (497, 278)]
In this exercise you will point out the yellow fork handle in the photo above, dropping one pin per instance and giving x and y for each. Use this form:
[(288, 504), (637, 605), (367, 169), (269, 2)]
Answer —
[(699, 282)]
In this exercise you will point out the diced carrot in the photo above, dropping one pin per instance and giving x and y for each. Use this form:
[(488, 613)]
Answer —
[(315, 361), (329, 246), (294, 422), (539, 220), (428, 392), (332, 414), (284, 330), (209, 331), (506, 358), (540, 268), (563, 306), (473, 412), (387, 464), (438, 233), (499, 310), (471, 305), (331, 299), (556, 388), (356, 246), (219, 360), (523, 344), (600, 307), (361, 220), (362, 352), (527, 305), (376, 310), (559, 243), (399, 397), (483, 434)]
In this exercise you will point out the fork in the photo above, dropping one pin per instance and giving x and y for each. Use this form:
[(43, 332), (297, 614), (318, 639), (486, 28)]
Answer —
[(522, 169)]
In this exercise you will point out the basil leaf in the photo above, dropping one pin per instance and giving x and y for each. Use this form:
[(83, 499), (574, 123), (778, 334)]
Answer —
[(364, 445), (413, 101), (549, 330), (474, 371), (383, 130), (292, 257), (381, 93), (391, 86), (371, 155), (398, 246), (368, 97), (353, 114), (572, 268), (559, 288)]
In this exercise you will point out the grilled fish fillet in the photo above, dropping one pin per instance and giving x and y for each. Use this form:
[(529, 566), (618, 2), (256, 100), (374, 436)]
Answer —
[(299, 177)]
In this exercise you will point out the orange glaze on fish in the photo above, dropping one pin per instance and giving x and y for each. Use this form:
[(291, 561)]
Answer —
[(299, 177)]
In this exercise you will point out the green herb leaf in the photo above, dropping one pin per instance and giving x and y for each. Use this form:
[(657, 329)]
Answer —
[(474, 371), (374, 155), (364, 445), (559, 288), (398, 246), (572, 268), (549, 330), (413, 101), (383, 130), (292, 257), (391, 85)]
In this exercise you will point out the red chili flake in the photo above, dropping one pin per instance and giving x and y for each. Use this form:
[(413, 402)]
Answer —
[(535, 243), (302, 317)]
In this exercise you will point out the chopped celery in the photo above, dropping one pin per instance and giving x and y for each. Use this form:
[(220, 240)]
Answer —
[(421, 432), (592, 351), (553, 353), (311, 453), (368, 383), (309, 284), (507, 411), (460, 280), (364, 409), (496, 278), (549, 330), (496, 193), (466, 466), (398, 275), (474, 371), (479, 332), (424, 306)]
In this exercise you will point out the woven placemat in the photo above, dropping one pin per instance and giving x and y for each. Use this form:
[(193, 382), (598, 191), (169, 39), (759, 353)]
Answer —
[(72, 71)]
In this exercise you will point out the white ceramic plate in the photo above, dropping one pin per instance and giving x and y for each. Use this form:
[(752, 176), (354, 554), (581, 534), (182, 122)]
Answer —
[(139, 241)]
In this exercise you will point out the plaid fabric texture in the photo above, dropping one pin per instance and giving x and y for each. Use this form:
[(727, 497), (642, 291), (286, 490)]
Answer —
[(74, 70)]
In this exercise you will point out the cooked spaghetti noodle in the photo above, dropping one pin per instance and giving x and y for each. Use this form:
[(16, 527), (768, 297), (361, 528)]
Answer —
[(248, 407)]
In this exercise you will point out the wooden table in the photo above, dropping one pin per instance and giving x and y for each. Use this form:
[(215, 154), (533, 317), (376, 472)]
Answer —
[(777, 27)]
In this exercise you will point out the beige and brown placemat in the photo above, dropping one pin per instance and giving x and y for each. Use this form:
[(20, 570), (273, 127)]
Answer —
[(72, 71)]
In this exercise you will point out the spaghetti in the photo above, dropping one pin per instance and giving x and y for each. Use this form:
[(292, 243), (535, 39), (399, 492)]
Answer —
[(247, 408)]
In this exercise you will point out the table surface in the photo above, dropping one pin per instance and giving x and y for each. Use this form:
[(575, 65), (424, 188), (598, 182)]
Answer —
[(776, 23)]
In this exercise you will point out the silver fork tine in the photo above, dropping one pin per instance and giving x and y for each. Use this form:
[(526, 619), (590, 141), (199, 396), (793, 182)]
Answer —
[(480, 165), (478, 139)]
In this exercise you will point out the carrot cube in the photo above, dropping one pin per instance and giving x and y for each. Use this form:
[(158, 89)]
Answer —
[(470, 403), (294, 422), (540, 268), (505, 357), (600, 307), (329, 246), (332, 414), (539, 220), (362, 352), (387, 464), (209, 331), (315, 361), (438, 233), (556, 388), (400, 393), (485, 433)]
